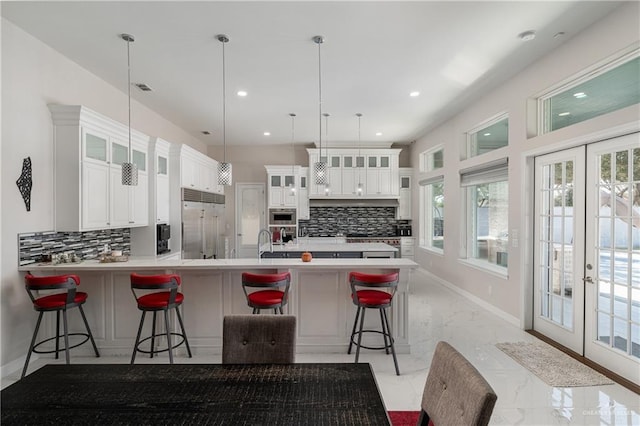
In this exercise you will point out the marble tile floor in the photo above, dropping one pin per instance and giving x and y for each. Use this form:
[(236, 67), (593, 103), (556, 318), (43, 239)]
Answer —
[(437, 313)]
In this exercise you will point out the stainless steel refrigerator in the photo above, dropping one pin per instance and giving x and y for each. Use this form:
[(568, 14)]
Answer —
[(202, 225)]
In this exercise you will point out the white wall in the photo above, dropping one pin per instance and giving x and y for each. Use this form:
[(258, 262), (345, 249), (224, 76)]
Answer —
[(34, 75), (617, 31)]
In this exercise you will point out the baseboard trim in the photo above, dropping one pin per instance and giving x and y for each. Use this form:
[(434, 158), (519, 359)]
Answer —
[(475, 299)]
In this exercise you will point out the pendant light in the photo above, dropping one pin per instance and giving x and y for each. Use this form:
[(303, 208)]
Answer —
[(129, 169), (326, 144), (320, 167), (224, 168), (292, 186), (360, 189)]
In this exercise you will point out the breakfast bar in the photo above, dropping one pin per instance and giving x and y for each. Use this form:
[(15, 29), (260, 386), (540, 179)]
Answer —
[(320, 298)]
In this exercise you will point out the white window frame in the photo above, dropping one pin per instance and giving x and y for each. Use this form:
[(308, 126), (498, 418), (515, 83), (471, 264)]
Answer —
[(426, 212), (543, 119), (490, 172), (471, 134), (426, 157)]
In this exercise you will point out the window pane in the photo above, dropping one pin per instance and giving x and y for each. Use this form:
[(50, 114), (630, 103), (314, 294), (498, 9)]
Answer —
[(438, 160), (615, 89), (489, 210), (437, 205), (487, 139)]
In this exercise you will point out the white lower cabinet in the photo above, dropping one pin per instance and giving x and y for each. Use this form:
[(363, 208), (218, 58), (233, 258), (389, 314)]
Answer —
[(407, 247)]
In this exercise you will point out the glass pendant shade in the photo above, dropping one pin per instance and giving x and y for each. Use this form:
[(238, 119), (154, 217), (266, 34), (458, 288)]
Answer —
[(224, 173), (129, 174), (320, 172)]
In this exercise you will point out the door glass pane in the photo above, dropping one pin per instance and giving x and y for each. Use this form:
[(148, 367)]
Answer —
[(405, 182), (335, 161), (348, 161), (119, 153), (303, 181), (95, 147), (618, 221), (139, 159), (360, 161), (373, 161), (162, 166), (384, 161), (276, 181), (289, 180), (250, 219)]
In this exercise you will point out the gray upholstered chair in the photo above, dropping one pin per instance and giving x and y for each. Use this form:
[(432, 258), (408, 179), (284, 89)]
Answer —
[(455, 392), (259, 339)]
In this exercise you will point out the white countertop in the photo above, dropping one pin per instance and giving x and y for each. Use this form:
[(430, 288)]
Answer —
[(331, 247), (148, 263)]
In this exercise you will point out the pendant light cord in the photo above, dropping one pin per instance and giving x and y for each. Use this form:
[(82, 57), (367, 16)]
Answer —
[(320, 99), (293, 150), (224, 105), (129, 95)]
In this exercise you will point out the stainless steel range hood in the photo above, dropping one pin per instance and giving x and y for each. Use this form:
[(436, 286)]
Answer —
[(353, 202)]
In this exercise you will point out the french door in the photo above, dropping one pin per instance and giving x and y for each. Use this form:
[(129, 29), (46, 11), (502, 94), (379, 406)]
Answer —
[(587, 251), (250, 218)]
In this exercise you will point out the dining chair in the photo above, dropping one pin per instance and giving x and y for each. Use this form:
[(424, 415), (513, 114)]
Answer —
[(258, 339), (455, 392)]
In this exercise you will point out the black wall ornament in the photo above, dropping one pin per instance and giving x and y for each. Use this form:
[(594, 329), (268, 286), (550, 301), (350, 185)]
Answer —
[(25, 182)]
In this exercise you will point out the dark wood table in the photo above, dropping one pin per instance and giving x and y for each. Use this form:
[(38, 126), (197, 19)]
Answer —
[(211, 394)]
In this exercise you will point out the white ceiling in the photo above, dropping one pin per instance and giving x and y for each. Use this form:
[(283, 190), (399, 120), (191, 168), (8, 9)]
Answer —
[(374, 55)]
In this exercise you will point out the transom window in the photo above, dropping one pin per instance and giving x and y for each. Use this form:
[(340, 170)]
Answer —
[(490, 135)]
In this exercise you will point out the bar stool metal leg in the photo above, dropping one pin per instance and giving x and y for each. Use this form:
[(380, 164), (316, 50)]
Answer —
[(86, 324), (393, 350), (385, 332), (353, 331), (360, 336), (33, 342), (153, 334), (57, 333), (66, 336), (168, 330), (135, 345), (184, 333)]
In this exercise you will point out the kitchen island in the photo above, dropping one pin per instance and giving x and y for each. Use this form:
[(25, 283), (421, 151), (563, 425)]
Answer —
[(328, 250), (320, 297)]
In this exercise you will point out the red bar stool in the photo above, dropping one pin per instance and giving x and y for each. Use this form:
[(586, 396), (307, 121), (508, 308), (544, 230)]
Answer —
[(373, 291), (56, 302), (154, 302), (274, 297)]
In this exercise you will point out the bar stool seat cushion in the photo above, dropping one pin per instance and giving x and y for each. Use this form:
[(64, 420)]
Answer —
[(158, 300), (266, 297), (58, 300), (373, 297)]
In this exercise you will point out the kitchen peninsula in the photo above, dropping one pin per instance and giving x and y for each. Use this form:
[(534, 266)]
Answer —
[(319, 297)]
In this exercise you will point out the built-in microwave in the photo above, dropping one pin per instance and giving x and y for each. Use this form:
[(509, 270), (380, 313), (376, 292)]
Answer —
[(282, 216)]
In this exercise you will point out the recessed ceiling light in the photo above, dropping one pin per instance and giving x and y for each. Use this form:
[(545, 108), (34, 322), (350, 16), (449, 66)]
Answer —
[(414, 94), (242, 93), (527, 35), (559, 34), (564, 114), (379, 134), (267, 133), (486, 134), (144, 87), (580, 95), (206, 132)]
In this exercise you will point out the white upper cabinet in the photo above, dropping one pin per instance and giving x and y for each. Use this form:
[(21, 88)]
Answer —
[(89, 151), (303, 194), (198, 171), (375, 170), (406, 182), (282, 186), (162, 182)]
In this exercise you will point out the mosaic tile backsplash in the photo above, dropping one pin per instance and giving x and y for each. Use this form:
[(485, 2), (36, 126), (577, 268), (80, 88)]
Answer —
[(85, 245), (363, 221)]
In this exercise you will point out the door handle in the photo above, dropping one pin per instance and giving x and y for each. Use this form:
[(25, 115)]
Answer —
[(588, 280)]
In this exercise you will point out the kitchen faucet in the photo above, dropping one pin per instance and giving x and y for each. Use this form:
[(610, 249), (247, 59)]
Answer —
[(263, 231)]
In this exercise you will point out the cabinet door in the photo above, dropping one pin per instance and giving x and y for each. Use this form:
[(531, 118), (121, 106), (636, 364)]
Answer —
[(120, 200), (189, 172), (205, 176), (139, 215), (384, 182), (350, 181), (290, 198), (372, 186), (95, 146), (335, 175), (162, 199), (95, 196)]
